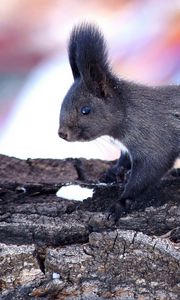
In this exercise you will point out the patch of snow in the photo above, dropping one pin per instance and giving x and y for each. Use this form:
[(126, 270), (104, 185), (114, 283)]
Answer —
[(21, 189), (74, 192), (55, 275), (103, 184)]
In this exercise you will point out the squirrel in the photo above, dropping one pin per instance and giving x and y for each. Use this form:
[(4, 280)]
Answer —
[(146, 120)]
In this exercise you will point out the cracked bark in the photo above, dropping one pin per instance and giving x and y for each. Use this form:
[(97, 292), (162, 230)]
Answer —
[(52, 248)]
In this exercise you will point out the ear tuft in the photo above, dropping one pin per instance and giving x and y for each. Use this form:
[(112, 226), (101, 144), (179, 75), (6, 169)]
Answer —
[(72, 52), (88, 56)]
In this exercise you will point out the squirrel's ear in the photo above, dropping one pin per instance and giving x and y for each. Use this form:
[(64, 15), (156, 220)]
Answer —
[(88, 58), (72, 58), (96, 81)]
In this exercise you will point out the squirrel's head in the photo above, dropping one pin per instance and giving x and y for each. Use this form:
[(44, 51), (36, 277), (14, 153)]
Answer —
[(88, 109)]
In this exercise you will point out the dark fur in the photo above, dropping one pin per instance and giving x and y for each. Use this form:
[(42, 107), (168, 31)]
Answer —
[(145, 119)]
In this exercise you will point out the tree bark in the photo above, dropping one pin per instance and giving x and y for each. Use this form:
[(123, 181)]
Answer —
[(53, 248)]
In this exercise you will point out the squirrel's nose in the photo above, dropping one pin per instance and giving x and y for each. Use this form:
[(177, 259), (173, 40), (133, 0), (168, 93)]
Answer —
[(62, 134)]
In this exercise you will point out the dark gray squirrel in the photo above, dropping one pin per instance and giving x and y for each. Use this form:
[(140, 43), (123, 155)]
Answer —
[(146, 120)]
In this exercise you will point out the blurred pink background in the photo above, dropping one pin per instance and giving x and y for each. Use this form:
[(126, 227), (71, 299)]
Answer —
[(143, 38)]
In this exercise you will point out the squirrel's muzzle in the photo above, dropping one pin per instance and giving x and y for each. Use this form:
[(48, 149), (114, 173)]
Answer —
[(63, 134)]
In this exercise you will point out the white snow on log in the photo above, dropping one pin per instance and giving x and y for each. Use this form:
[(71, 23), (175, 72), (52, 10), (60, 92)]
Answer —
[(55, 275), (74, 192)]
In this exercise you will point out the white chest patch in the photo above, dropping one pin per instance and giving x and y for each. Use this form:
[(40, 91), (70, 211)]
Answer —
[(119, 145)]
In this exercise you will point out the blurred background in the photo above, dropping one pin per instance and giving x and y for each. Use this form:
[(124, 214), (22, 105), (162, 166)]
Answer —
[(143, 37)]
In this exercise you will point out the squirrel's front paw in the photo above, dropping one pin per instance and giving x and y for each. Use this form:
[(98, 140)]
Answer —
[(109, 176), (114, 174), (119, 209), (115, 211)]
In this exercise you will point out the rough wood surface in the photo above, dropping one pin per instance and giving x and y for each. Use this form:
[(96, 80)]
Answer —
[(52, 248)]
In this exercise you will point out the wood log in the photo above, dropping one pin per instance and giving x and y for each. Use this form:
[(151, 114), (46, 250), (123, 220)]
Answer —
[(54, 248)]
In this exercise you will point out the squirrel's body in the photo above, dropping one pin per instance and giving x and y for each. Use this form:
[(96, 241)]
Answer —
[(145, 119)]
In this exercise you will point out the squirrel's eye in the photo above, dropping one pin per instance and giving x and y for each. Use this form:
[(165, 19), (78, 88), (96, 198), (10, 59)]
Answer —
[(85, 110)]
